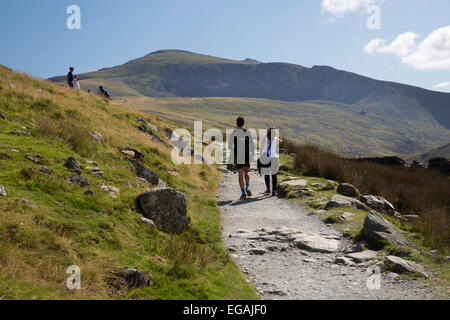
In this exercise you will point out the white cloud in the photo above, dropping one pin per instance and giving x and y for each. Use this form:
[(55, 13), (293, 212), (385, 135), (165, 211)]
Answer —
[(442, 85), (339, 8), (433, 53), (401, 46)]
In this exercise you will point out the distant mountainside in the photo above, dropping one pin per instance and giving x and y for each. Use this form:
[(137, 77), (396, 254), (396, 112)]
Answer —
[(441, 152), (175, 73), (341, 111)]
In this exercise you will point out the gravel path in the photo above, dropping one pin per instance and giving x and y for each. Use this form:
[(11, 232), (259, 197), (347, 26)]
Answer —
[(280, 270)]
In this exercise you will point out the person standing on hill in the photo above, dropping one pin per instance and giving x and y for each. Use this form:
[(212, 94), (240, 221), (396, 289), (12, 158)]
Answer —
[(242, 150), (76, 83), (270, 148), (70, 77)]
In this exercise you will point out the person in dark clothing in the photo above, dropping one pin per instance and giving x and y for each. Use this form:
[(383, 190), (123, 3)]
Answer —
[(70, 77), (242, 149), (104, 93), (271, 149)]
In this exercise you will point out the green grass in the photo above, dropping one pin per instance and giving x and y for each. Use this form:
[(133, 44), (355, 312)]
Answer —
[(101, 234)]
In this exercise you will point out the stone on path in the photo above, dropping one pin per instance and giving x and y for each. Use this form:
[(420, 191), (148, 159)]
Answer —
[(362, 256), (316, 243), (401, 265)]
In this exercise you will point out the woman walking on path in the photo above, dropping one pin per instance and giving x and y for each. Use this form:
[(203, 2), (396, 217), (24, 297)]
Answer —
[(270, 148)]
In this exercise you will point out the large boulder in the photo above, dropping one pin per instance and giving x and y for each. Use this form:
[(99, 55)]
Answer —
[(145, 173), (377, 228), (346, 189), (338, 201), (379, 204), (167, 208), (401, 265)]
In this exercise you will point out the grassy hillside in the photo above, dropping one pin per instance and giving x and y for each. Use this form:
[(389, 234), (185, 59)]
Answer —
[(440, 152), (333, 126), (47, 224)]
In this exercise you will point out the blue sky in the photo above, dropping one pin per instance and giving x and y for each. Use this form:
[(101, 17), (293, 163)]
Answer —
[(34, 37)]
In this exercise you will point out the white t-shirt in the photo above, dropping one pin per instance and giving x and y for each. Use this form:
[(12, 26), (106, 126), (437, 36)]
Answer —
[(273, 152), (76, 84)]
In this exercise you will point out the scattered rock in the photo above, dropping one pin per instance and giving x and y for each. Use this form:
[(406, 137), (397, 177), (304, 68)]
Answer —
[(295, 183), (258, 252), (310, 260), (345, 216), (288, 186), (44, 170), (35, 159), (379, 204), (22, 132), (316, 243), (97, 174), (4, 156), (348, 190), (97, 136), (162, 184), (148, 222), (377, 228), (78, 180), (72, 164), (318, 185), (2, 116), (357, 247), (12, 150), (343, 261), (166, 207), (338, 201), (26, 202), (92, 163), (145, 173), (276, 292), (137, 279), (147, 127), (173, 173), (400, 265), (363, 256), (3, 192), (113, 191), (89, 193), (133, 154)]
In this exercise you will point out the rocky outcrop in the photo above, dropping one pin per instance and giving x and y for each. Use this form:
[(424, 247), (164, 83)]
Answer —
[(167, 208), (376, 228), (72, 164), (78, 180), (338, 201), (145, 173), (379, 204), (137, 279), (147, 127), (401, 265), (133, 154), (346, 189)]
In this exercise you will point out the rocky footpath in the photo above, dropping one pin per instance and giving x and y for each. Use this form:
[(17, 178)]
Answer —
[(288, 254)]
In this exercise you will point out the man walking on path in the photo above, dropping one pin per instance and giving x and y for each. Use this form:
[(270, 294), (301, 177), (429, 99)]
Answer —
[(242, 150), (70, 77)]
